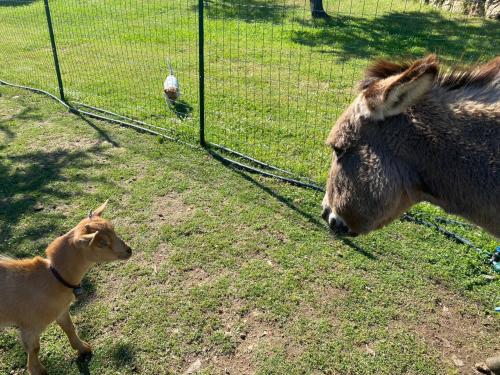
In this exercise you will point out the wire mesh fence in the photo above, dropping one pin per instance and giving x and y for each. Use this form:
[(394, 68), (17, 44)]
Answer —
[(276, 78)]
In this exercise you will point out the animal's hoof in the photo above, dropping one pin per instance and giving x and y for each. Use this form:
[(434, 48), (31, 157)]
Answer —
[(85, 349), (38, 371)]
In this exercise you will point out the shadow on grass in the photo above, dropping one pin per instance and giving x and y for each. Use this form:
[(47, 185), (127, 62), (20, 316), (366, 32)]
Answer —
[(400, 34), (27, 181), (121, 354), (273, 11), (102, 134), (315, 220), (15, 3), (181, 109), (6, 136)]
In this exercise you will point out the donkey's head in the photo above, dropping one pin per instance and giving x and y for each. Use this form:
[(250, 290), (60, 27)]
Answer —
[(98, 240), (368, 186)]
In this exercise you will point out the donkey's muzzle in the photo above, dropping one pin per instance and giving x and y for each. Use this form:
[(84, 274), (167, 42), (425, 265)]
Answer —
[(336, 225)]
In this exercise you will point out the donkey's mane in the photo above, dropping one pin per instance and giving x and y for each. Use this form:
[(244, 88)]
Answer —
[(451, 79)]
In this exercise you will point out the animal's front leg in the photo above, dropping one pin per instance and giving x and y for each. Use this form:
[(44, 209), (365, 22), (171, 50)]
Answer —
[(31, 343), (66, 324)]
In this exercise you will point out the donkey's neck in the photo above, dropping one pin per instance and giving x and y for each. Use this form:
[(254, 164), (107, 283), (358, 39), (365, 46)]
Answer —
[(456, 153), (66, 258)]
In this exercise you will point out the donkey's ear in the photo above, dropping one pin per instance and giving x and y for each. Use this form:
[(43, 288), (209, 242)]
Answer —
[(99, 211), (393, 95)]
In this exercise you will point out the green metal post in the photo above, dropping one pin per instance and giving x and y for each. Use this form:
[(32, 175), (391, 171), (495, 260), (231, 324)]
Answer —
[(54, 51), (201, 67)]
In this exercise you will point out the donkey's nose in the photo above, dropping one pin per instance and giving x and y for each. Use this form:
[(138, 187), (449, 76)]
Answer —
[(338, 227)]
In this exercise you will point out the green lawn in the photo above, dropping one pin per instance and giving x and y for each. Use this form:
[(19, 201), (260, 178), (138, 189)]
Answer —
[(232, 269), (275, 80)]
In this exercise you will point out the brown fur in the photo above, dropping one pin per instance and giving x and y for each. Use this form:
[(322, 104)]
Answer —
[(32, 297), (417, 132)]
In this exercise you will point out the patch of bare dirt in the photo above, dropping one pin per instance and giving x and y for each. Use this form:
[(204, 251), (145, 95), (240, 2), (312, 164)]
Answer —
[(170, 208), (458, 330), (195, 277), (252, 333)]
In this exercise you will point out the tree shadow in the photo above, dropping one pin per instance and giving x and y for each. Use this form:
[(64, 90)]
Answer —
[(400, 34), (6, 136), (28, 179), (274, 11), (15, 3)]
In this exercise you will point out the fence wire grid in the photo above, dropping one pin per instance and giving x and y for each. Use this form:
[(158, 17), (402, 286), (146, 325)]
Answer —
[(275, 78)]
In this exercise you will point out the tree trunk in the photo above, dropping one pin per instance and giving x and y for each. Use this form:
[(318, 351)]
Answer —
[(317, 10)]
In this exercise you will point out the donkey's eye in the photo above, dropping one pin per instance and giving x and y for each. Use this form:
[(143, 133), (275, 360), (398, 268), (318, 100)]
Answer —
[(338, 152)]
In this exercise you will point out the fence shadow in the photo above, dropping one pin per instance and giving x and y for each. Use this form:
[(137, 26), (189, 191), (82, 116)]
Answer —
[(308, 216), (102, 134), (399, 34)]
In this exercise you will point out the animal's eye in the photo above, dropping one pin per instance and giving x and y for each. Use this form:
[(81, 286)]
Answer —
[(338, 152), (102, 243)]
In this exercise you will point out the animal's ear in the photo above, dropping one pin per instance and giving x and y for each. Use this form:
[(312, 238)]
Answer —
[(98, 212), (87, 239), (394, 94)]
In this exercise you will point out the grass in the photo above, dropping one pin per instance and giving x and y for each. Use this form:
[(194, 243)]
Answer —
[(275, 80), (232, 269)]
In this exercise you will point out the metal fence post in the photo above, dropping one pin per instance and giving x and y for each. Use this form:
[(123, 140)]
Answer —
[(54, 51), (201, 67)]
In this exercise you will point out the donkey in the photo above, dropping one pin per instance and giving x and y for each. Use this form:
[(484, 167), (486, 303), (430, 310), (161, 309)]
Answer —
[(35, 292), (417, 132)]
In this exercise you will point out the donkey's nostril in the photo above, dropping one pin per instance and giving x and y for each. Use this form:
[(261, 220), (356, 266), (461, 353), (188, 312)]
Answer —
[(326, 214)]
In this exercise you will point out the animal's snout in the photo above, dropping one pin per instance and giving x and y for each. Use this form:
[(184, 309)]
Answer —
[(127, 253), (335, 223)]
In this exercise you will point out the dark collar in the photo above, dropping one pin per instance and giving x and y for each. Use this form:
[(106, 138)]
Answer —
[(77, 289)]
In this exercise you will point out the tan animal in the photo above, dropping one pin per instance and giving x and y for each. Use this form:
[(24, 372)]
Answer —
[(35, 292), (417, 132)]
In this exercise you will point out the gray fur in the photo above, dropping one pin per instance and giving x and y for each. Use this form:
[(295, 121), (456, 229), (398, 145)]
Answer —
[(443, 148)]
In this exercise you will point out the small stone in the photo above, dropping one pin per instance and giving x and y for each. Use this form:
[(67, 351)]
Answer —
[(194, 368), (457, 361), (243, 335), (263, 334), (38, 207), (370, 350), (250, 348), (489, 277)]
